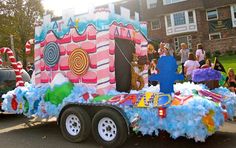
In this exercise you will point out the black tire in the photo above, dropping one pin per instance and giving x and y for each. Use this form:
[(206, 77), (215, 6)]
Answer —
[(121, 128), (85, 124)]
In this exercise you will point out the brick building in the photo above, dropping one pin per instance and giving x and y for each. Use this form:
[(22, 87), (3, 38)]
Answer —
[(211, 22)]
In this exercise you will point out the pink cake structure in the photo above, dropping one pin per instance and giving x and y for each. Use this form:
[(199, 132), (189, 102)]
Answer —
[(98, 40)]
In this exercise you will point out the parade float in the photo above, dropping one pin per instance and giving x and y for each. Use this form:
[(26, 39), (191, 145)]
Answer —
[(91, 74)]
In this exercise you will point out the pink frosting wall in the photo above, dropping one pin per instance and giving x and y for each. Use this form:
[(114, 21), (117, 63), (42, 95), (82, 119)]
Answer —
[(100, 47)]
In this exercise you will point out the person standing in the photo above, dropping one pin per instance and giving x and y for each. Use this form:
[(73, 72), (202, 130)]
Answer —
[(190, 65), (200, 54), (161, 50), (151, 52), (184, 51), (168, 50)]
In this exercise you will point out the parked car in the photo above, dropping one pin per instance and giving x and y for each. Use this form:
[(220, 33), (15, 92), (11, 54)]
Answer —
[(8, 81)]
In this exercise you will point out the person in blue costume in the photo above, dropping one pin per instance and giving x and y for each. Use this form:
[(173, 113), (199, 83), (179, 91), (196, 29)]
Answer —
[(167, 75)]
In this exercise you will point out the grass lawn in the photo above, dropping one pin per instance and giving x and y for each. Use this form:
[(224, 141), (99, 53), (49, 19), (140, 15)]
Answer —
[(228, 62)]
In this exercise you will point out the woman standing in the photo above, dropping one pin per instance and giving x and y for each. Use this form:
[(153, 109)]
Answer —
[(184, 51), (200, 54), (190, 65)]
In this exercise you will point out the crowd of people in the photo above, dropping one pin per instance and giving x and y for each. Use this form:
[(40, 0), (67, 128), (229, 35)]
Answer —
[(189, 61)]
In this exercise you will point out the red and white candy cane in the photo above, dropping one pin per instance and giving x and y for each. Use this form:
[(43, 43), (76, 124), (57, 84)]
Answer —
[(28, 45), (17, 66), (0, 61)]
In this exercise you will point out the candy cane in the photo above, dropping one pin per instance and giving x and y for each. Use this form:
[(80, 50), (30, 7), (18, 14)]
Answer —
[(0, 62), (28, 45), (16, 66)]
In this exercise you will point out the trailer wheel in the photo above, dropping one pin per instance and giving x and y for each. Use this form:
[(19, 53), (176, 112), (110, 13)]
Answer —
[(109, 128), (75, 124)]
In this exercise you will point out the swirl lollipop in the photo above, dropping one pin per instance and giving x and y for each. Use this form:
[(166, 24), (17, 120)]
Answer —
[(78, 61), (51, 54)]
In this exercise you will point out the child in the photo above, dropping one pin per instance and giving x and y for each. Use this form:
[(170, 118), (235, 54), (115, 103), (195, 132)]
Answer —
[(153, 70), (231, 80), (161, 50)]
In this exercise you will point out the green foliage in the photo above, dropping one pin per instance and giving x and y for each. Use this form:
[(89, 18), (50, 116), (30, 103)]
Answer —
[(208, 54), (17, 18), (216, 53), (230, 52)]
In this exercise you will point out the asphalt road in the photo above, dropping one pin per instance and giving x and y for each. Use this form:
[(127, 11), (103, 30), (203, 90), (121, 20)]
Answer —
[(15, 132)]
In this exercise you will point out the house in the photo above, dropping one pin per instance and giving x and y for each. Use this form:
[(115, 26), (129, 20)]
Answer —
[(211, 22), (94, 49)]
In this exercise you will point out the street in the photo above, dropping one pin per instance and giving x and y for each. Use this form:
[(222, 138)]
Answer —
[(15, 132)]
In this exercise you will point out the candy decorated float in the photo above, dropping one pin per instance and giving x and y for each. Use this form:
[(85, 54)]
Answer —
[(85, 67)]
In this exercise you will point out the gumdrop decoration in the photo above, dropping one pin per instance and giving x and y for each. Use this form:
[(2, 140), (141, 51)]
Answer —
[(167, 67)]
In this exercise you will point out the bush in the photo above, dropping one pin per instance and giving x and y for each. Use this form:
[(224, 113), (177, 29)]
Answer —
[(230, 52), (208, 54), (216, 53)]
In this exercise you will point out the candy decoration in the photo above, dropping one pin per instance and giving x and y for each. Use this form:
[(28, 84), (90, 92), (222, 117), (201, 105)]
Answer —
[(208, 121), (16, 66), (78, 61), (180, 100), (0, 62), (28, 46), (51, 54), (20, 66), (215, 97), (58, 93), (102, 98), (26, 105), (14, 103), (115, 99)]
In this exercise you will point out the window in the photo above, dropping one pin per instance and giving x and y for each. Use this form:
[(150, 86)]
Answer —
[(180, 22), (156, 24), (234, 11), (183, 39), (167, 2), (190, 17), (233, 15), (168, 20), (151, 4), (179, 18), (212, 15), (214, 36)]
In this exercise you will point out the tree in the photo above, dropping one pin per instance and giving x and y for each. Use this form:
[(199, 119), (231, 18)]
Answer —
[(17, 18)]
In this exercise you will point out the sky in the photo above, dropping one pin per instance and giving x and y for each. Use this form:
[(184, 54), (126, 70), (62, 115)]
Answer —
[(80, 6)]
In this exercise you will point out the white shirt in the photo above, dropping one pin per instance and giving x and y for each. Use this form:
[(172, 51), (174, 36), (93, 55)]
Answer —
[(200, 54), (191, 65)]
